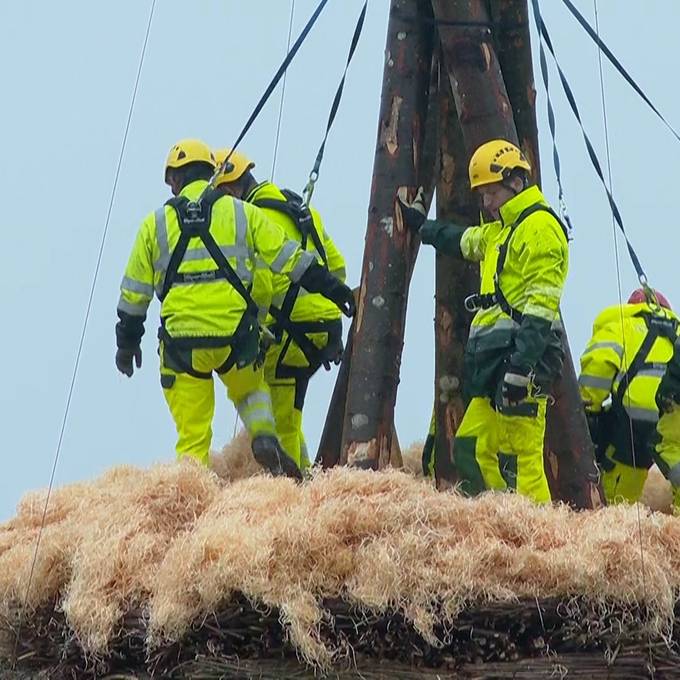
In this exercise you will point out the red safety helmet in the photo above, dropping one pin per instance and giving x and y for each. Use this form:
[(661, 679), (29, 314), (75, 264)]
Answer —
[(638, 297)]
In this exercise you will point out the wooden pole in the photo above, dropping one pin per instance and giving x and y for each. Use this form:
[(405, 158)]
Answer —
[(401, 166), (455, 280)]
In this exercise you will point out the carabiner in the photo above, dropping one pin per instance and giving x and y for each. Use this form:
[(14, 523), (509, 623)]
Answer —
[(472, 303)]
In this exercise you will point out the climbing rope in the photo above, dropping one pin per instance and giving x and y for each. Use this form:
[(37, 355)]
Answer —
[(86, 320), (265, 97), (544, 37), (626, 377), (283, 90), (314, 174), (553, 135), (602, 47)]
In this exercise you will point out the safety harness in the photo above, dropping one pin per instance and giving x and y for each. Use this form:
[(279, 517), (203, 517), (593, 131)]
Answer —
[(194, 221), (477, 301), (657, 327), (294, 207), (633, 439)]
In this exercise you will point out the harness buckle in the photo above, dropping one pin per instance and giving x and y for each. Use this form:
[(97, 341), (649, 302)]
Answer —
[(194, 213), (473, 303)]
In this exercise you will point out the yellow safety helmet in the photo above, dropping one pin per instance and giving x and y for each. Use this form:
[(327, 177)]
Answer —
[(189, 151), (494, 161), (237, 167)]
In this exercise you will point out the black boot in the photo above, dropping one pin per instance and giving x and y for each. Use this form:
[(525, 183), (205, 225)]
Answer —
[(269, 454)]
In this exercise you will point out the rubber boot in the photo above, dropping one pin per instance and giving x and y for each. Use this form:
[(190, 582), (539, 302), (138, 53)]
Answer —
[(269, 454)]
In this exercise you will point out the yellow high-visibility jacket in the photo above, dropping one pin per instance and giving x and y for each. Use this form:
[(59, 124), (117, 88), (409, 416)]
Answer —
[(202, 309), (618, 335), (308, 306), (532, 280)]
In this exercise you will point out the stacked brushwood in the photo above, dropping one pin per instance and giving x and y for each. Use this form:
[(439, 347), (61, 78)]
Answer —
[(179, 572)]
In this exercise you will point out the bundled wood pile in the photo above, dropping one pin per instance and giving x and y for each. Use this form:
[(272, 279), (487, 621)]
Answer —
[(177, 572)]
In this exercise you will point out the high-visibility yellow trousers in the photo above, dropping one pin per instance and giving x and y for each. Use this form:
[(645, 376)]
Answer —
[(429, 455), (500, 451), (287, 371), (624, 472), (622, 483), (667, 451), (191, 400)]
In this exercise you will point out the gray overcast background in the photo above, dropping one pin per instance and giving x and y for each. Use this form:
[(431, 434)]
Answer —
[(68, 77)]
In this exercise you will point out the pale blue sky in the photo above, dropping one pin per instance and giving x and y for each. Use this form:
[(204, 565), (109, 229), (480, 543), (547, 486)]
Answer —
[(68, 76)]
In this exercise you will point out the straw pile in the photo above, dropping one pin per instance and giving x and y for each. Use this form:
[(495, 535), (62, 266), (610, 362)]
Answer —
[(152, 569)]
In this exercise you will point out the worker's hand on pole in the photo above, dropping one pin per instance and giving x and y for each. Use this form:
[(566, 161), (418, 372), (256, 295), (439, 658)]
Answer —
[(413, 211), (125, 358)]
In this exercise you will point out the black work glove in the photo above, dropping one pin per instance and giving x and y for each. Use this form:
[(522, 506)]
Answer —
[(318, 279), (413, 211), (124, 358), (668, 394), (666, 397), (515, 386)]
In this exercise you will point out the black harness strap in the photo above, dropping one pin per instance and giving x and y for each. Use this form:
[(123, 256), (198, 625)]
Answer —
[(294, 207), (297, 332), (657, 327), (544, 37), (194, 221), (488, 300), (267, 93)]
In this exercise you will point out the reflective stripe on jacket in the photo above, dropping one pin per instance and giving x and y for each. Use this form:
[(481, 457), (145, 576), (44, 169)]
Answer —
[(212, 307), (618, 334), (308, 306)]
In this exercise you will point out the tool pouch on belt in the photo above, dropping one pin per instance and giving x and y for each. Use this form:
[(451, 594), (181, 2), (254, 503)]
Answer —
[(177, 352), (637, 451)]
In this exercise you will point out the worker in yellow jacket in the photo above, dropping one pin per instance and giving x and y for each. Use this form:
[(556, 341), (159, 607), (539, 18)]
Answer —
[(621, 369), (197, 253), (306, 327), (514, 350)]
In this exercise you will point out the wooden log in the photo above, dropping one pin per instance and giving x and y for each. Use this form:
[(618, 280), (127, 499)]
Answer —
[(390, 251), (330, 443), (454, 280)]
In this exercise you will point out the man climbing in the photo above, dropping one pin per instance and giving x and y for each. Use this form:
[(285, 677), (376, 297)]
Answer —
[(621, 369), (514, 350), (306, 327), (198, 257)]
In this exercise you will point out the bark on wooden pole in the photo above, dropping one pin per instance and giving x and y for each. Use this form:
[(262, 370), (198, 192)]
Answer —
[(390, 248), (474, 72), (510, 21), (330, 443), (454, 280), (570, 461)]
